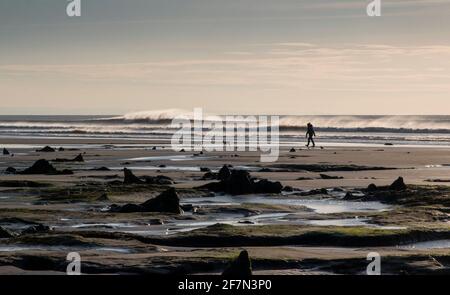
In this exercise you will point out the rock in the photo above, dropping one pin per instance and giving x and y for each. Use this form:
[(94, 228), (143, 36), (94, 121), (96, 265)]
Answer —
[(288, 189), (168, 202), (268, 187), (46, 149), (154, 148), (224, 173), (325, 176), (78, 158), (36, 229), (130, 178), (265, 170), (209, 176), (5, 151), (41, 167), (10, 170), (388, 143), (398, 185), (292, 150), (162, 166), (182, 151), (240, 183), (372, 187), (240, 267), (159, 179), (61, 149), (205, 169)]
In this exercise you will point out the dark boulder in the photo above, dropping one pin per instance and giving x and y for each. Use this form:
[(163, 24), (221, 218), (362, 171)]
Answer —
[(205, 169), (288, 189), (78, 158), (292, 150), (61, 149), (168, 201), (398, 185), (372, 188), (46, 149), (130, 178), (224, 173), (268, 187), (41, 167), (240, 183), (240, 267), (10, 170), (5, 151)]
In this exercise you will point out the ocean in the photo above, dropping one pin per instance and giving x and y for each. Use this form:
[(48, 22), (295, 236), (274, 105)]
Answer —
[(330, 130)]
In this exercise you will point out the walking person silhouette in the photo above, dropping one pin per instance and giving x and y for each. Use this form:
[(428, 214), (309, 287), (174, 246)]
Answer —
[(310, 133)]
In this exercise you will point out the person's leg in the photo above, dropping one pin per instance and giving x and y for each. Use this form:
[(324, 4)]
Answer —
[(314, 144), (309, 140)]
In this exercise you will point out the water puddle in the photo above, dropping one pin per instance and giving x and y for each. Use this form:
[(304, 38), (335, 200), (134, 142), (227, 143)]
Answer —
[(322, 206), (438, 244)]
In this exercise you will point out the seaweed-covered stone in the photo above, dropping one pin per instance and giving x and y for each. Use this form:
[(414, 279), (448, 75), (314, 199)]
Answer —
[(240, 267), (130, 178), (398, 185)]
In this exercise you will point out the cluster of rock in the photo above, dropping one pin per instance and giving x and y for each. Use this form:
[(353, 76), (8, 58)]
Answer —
[(130, 178), (166, 202), (239, 182), (381, 192)]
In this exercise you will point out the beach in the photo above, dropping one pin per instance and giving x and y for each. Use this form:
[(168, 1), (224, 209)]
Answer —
[(323, 220)]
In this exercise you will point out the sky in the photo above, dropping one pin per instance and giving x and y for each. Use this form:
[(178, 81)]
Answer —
[(292, 57)]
